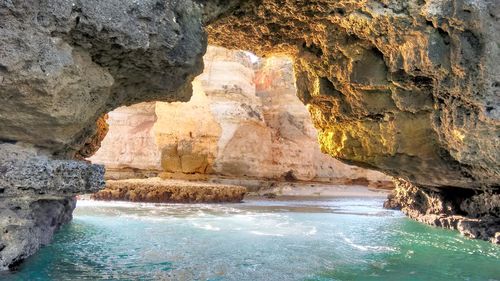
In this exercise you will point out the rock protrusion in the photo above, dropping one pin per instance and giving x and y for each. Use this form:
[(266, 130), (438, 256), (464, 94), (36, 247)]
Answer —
[(156, 190), (474, 214)]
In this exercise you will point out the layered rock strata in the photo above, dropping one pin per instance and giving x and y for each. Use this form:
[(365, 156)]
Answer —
[(157, 190), (37, 197)]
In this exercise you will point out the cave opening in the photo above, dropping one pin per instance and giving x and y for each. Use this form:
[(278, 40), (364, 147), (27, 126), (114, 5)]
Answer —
[(243, 125), (408, 88)]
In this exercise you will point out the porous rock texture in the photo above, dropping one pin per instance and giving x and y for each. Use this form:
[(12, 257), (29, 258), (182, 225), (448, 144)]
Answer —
[(63, 65), (410, 88), (474, 215), (244, 120), (406, 87), (37, 197), (157, 190)]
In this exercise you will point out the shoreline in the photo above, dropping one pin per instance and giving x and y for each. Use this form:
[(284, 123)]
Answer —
[(155, 190)]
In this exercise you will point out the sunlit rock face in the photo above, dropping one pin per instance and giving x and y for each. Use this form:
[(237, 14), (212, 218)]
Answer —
[(409, 88), (406, 87), (244, 120), (130, 142)]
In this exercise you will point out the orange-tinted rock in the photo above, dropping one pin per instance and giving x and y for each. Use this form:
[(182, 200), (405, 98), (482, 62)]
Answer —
[(94, 143)]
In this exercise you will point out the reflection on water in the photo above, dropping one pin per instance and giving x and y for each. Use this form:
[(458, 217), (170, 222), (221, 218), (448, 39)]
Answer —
[(335, 239)]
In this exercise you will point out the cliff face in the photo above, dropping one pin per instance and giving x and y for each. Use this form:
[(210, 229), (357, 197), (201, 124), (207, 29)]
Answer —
[(63, 65), (36, 198), (409, 88), (243, 120)]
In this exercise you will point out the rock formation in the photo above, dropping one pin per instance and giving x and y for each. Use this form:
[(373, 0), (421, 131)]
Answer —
[(130, 142), (409, 88), (244, 120), (36, 198), (156, 190), (63, 65), (474, 215)]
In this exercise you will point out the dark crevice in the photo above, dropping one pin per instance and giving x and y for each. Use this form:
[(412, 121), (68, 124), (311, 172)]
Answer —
[(313, 48)]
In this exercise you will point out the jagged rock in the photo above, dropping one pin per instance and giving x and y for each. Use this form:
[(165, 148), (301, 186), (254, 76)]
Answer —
[(475, 216), (93, 144), (406, 87), (63, 64), (36, 198), (25, 173), (156, 190), (409, 88), (26, 223)]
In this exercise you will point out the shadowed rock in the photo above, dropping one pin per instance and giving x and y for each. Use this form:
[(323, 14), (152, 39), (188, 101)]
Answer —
[(409, 88), (36, 198)]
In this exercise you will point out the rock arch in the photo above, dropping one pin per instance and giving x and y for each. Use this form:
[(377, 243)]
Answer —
[(406, 87)]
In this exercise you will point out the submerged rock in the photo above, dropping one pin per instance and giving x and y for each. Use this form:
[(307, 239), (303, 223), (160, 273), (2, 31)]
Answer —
[(156, 190)]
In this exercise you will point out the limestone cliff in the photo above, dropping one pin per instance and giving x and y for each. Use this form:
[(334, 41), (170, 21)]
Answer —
[(243, 120)]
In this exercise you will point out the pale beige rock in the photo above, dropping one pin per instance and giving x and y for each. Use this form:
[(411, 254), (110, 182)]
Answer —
[(130, 142)]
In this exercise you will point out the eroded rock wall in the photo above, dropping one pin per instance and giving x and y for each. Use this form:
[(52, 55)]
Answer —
[(474, 215), (244, 120), (37, 197), (410, 88), (406, 87), (63, 65), (66, 63)]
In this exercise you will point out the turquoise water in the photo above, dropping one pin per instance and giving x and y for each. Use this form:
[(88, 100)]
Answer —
[(336, 239)]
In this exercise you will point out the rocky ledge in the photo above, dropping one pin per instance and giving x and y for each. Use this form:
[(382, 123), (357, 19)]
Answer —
[(475, 215), (156, 190), (36, 198)]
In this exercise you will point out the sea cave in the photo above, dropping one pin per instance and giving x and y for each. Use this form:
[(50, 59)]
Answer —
[(249, 140)]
